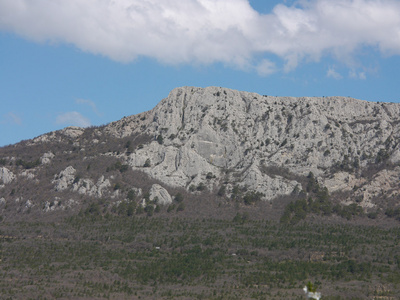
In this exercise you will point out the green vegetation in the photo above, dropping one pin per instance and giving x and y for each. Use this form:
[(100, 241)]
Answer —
[(28, 164), (160, 139), (393, 213), (93, 255), (147, 163), (318, 203), (299, 209)]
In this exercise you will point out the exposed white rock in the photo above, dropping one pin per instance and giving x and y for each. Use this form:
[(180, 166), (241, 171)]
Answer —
[(382, 182), (72, 131), (47, 157), (71, 203), (84, 186), (51, 136), (64, 179), (216, 129), (253, 179), (236, 136), (87, 187), (102, 185), (342, 181), (161, 194), (29, 204), (6, 176), (28, 173), (58, 204), (50, 206), (395, 158), (2, 201)]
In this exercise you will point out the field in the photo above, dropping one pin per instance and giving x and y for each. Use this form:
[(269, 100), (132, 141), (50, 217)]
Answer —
[(106, 256)]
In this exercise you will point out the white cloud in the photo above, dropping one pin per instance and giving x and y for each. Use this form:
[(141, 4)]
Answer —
[(12, 118), (266, 67), (73, 118), (357, 75), (333, 74), (208, 31), (90, 103)]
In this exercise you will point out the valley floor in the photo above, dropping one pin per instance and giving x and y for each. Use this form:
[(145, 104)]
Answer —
[(113, 257)]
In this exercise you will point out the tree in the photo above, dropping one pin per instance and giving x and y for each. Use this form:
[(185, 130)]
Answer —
[(252, 197), (178, 197), (131, 195), (181, 207), (160, 139), (147, 163), (222, 190)]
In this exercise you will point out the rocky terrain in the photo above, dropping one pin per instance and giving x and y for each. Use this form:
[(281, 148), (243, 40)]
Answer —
[(212, 141)]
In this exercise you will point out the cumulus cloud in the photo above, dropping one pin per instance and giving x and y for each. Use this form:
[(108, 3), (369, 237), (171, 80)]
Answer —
[(208, 31), (73, 118)]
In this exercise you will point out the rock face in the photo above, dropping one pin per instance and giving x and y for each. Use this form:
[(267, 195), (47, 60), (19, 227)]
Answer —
[(203, 139), (238, 134), (159, 194), (64, 179), (6, 176)]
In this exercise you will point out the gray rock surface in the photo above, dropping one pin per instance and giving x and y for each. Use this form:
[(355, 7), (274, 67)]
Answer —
[(206, 138), (6, 176), (46, 158), (63, 180), (232, 133), (157, 192)]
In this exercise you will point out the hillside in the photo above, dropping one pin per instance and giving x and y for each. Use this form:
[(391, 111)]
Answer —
[(213, 194), (218, 142)]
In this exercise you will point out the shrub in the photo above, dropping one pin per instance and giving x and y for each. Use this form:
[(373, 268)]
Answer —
[(222, 190), (147, 163), (149, 209), (252, 197), (201, 187), (160, 139), (181, 207), (131, 195), (179, 197), (210, 175)]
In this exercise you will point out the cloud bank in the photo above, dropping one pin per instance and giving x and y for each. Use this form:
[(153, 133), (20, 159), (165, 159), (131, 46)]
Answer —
[(209, 31)]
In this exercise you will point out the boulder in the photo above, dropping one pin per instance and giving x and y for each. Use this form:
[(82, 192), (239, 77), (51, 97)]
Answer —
[(161, 194), (64, 179), (6, 176)]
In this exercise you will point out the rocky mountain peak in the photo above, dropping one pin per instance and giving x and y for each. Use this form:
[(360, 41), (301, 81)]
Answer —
[(213, 139)]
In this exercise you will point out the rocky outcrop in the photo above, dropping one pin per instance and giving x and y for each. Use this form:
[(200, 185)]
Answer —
[(87, 187), (231, 134), (63, 180), (6, 176), (46, 158), (160, 195), (211, 138)]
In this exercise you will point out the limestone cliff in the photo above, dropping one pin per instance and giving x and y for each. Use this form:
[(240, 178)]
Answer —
[(200, 139), (198, 132)]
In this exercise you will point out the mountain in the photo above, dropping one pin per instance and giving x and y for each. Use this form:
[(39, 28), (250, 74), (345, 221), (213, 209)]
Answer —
[(235, 148)]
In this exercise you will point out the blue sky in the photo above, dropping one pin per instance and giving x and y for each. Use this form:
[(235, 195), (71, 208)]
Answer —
[(91, 62)]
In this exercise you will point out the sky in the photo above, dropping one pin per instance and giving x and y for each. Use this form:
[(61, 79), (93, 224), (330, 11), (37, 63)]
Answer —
[(91, 62)]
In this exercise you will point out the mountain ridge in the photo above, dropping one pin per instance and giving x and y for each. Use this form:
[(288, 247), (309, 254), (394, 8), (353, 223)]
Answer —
[(213, 139)]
